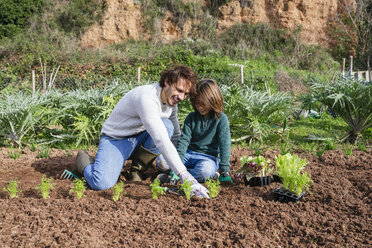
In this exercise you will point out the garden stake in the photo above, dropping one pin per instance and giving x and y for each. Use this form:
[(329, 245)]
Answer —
[(68, 175)]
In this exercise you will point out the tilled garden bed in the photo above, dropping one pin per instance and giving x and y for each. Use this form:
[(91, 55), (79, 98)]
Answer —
[(337, 213)]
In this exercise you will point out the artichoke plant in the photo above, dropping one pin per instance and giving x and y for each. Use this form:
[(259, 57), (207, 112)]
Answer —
[(349, 98)]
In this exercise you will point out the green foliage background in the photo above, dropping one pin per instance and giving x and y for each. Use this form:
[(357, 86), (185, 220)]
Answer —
[(48, 31)]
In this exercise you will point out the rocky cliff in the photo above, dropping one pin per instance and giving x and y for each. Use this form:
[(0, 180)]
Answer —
[(124, 19)]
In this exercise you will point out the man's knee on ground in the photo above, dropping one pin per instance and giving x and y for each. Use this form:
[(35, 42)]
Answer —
[(101, 183)]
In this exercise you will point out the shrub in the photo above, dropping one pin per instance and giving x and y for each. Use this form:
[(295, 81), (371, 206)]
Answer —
[(80, 14), (15, 14)]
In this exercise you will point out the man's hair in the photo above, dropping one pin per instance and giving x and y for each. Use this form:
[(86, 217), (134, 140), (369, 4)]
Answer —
[(172, 74), (208, 94)]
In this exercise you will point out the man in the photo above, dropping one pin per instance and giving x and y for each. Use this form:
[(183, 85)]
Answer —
[(143, 124)]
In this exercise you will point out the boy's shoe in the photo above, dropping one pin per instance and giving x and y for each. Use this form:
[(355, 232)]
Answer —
[(216, 176), (164, 178)]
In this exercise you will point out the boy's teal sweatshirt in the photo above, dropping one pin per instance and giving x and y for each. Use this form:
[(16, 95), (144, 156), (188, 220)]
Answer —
[(206, 135)]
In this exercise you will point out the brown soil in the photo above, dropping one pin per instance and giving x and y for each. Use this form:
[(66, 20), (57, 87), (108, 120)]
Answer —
[(336, 214)]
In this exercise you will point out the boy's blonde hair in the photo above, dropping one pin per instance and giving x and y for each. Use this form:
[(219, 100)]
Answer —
[(208, 94)]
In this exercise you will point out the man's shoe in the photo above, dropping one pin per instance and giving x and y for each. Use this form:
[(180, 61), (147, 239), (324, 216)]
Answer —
[(83, 159), (141, 160)]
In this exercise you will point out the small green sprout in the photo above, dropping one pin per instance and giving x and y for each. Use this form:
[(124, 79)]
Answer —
[(12, 189), (43, 152), (33, 147), (214, 187), (79, 187), (156, 189), (321, 151), (348, 150), (68, 153), (15, 153), (118, 191), (45, 186), (362, 147), (186, 188)]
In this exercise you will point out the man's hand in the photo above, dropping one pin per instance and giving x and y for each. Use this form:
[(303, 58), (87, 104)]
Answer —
[(197, 189)]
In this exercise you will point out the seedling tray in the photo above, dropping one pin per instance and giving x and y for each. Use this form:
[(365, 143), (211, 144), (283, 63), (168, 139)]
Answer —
[(257, 181), (276, 178), (283, 195)]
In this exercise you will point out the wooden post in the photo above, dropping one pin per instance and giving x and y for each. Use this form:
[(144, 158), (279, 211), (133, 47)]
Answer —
[(33, 81), (139, 74), (360, 75), (351, 65), (343, 66), (368, 76)]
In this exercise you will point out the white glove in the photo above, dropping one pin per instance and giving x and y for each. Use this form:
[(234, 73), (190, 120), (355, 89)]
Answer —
[(197, 189)]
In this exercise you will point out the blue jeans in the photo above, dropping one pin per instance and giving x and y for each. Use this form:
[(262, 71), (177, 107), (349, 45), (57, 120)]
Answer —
[(201, 166), (112, 154)]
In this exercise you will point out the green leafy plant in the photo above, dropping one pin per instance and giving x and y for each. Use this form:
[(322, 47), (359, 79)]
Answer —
[(15, 153), (118, 191), (289, 168), (33, 147), (68, 152), (285, 147), (79, 187), (255, 166), (15, 14), (256, 147), (82, 112), (20, 115), (253, 110), (214, 187), (187, 189), (309, 147), (12, 189), (43, 152), (330, 145), (362, 147), (348, 149), (321, 150), (156, 189), (349, 98), (45, 186)]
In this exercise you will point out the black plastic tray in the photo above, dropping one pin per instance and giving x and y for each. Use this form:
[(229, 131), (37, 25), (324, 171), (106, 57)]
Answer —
[(257, 181), (283, 195)]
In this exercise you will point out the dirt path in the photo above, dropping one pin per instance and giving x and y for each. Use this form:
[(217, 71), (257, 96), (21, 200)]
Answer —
[(336, 214)]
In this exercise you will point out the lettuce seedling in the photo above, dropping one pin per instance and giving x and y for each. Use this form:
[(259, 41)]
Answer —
[(12, 189), (118, 191), (255, 166), (79, 187), (45, 186), (214, 187), (289, 169), (156, 189), (187, 189)]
